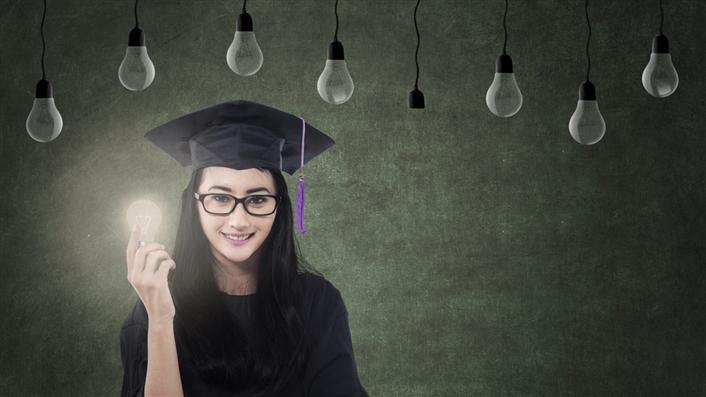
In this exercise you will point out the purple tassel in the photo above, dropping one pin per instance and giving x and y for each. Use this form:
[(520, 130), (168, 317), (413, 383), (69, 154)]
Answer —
[(300, 206)]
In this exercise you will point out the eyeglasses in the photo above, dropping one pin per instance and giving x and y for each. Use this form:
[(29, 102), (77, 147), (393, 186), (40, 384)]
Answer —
[(224, 204)]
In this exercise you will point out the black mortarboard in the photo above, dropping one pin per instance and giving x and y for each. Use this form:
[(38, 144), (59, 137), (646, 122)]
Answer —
[(242, 134)]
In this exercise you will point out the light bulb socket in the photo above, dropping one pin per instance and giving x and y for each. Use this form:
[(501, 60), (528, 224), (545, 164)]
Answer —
[(416, 99), (503, 64), (44, 89), (587, 91), (244, 23), (335, 50), (660, 45), (137, 38)]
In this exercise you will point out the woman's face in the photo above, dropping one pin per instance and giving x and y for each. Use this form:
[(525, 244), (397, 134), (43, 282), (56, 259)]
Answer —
[(236, 183)]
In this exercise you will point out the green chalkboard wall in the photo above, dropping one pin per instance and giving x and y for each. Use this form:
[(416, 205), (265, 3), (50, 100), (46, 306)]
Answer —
[(476, 255)]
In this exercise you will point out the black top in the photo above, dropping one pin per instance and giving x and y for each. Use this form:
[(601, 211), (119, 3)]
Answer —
[(330, 370)]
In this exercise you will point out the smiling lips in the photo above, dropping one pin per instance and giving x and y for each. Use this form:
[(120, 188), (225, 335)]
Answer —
[(237, 238)]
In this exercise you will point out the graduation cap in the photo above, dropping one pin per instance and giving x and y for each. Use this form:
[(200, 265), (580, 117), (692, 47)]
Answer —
[(242, 134)]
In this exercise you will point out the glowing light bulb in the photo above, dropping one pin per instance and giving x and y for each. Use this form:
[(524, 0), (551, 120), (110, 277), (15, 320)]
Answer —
[(244, 55), (503, 97), (587, 125), (335, 84), (146, 214), (660, 78), (136, 71), (44, 122)]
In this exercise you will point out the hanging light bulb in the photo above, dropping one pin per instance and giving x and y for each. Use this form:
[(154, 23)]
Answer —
[(44, 122), (415, 100), (136, 71), (244, 55), (660, 78), (586, 124), (503, 97), (335, 84)]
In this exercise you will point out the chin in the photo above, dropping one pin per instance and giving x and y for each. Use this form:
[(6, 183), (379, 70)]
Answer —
[(238, 253)]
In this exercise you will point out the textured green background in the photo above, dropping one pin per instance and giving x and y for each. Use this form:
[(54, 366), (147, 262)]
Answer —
[(476, 255)]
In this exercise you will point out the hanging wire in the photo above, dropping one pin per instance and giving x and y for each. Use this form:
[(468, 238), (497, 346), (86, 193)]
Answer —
[(588, 56), (244, 1), (335, 11), (137, 24), (661, 17), (416, 52), (505, 29), (43, 43)]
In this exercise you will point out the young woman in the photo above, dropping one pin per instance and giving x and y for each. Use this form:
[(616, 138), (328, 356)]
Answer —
[(234, 317)]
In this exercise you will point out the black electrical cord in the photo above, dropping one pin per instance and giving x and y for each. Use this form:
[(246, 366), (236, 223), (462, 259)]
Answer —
[(43, 43), (505, 29), (244, 1), (416, 52), (588, 56), (661, 17), (137, 24), (335, 11)]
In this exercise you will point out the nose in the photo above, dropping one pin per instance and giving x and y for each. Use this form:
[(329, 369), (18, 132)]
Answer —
[(239, 217)]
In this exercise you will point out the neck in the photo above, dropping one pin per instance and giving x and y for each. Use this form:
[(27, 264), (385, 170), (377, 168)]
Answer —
[(236, 278)]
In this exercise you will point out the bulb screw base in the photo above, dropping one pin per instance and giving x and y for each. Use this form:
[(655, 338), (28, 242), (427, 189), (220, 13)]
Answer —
[(503, 64), (587, 91), (660, 45), (416, 99), (335, 50), (244, 23), (44, 89), (137, 38)]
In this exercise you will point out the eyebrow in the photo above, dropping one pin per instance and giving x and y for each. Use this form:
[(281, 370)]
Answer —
[(227, 189)]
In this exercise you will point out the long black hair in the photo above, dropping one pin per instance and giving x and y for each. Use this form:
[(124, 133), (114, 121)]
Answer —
[(209, 336)]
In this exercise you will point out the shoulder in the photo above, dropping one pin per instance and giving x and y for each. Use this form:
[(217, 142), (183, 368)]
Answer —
[(320, 297), (316, 281), (320, 288)]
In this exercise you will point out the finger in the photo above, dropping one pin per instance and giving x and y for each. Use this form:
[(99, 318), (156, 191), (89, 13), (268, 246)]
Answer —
[(132, 246), (153, 260), (141, 254), (164, 269)]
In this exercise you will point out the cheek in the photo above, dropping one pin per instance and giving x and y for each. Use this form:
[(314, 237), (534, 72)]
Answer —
[(265, 227), (209, 224)]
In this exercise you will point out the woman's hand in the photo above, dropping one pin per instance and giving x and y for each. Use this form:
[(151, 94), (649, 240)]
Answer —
[(147, 270)]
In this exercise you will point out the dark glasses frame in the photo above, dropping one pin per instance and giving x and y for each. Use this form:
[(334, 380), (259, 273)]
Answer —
[(201, 197)]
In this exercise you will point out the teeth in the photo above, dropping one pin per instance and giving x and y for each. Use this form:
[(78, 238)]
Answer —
[(237, 237)]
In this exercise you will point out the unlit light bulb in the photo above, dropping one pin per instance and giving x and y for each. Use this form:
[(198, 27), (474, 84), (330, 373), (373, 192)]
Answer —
[(503, 97), (335, 84), (587, 125), (146, 214), (244, 55), (136, 71), (44, 122), (660, 78)]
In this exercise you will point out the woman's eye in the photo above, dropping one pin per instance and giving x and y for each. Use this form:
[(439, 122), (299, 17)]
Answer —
[(222, 199), (256, 200)]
